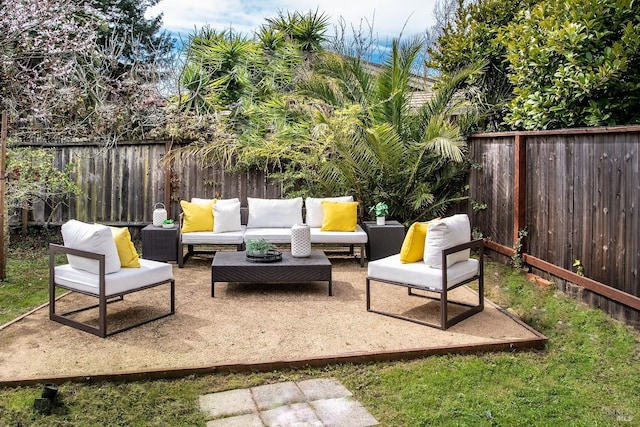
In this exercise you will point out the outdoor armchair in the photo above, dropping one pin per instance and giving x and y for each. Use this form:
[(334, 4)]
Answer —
[(98, 274), (445, 266)]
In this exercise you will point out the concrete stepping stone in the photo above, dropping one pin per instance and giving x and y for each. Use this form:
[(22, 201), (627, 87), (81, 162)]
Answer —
[(310, 403)]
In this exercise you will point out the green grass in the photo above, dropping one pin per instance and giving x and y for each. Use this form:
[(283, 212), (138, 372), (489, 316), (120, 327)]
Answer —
[(27, 275), (587, 376)]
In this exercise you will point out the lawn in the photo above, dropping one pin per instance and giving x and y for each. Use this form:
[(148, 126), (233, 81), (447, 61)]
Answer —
[(587, 376)]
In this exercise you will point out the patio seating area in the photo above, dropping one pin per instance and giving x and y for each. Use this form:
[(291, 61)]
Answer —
[(249, 327)]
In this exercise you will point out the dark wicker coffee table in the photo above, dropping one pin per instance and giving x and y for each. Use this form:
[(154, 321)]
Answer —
[(230, 266)]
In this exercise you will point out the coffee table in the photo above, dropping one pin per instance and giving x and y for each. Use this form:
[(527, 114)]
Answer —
[(228, 266)]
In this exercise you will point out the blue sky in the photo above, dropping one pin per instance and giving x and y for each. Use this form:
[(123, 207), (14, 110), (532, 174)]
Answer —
[(388, 17)]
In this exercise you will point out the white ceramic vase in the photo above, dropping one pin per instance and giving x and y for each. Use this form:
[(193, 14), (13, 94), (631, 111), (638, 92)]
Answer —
[(300, 241), (380, 220)]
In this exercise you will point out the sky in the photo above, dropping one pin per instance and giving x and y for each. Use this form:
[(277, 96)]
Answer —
[(388, 17)]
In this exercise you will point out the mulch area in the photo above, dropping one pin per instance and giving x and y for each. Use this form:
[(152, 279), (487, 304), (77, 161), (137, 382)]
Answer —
[(248, 327)]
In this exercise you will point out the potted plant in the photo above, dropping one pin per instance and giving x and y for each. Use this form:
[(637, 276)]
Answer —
[(381, 210), (258, 247), (167, 223)]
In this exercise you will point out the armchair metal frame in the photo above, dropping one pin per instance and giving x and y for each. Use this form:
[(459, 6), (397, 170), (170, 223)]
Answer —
[(445, 321), (103, 299)]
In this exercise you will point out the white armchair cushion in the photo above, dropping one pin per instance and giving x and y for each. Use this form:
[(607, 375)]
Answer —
[(443, 234), (125, 280), (94, 238), (313, 207), (274, 213), (420, 275), (226, 216)]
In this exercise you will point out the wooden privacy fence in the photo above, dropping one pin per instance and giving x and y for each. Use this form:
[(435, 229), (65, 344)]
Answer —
[(576, 192), (121, 185)]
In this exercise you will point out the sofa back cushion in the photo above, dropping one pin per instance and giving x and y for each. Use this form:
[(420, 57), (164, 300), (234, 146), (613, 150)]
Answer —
[(274, 213), (443, 234), (96, 238), (313, 206)]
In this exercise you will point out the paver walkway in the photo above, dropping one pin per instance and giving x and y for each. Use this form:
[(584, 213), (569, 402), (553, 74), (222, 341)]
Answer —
[(319, 402)]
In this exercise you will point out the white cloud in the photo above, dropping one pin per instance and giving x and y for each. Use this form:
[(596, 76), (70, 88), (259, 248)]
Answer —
[(388, 17)]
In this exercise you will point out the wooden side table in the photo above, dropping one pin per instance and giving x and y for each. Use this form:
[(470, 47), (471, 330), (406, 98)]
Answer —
[(160, 244), (383, 240)]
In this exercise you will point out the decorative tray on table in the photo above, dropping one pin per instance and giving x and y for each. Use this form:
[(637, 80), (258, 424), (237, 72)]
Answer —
[(270, 256)]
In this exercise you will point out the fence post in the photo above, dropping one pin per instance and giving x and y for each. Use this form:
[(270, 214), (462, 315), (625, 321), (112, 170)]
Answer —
[(519, 186), (3, 188), (167, 180)]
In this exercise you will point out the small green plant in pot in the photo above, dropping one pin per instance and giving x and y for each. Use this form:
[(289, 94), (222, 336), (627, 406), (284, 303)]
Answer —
[(259, 247), (381, 211)]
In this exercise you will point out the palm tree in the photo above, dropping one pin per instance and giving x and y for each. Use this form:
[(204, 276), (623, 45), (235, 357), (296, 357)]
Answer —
[(306, 30), (379, 148), (217, 70)]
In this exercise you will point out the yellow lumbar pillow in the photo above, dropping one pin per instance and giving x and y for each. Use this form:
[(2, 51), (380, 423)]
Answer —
[(339, 216), (197, 216), (126, 250)]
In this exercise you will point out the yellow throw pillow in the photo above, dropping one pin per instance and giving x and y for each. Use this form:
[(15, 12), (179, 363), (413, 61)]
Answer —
[(126, 251), (413, 245), (339, 216), (197, 216)]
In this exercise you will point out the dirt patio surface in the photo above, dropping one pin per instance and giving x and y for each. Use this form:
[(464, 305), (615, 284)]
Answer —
[(250, 327)]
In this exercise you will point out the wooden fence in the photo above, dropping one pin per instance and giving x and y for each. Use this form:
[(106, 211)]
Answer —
[(576, 192), (121, 185)]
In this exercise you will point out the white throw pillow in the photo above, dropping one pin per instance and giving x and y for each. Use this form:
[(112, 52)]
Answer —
[(226, 216), (201, 201), (274, 213), (213, 202), (94, 238), (313, 208), (445, 233)]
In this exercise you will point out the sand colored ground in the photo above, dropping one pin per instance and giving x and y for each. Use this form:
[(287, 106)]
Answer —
[(246, 325)]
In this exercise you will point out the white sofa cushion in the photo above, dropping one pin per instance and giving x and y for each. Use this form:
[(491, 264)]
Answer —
[(272, 235), (443, 234), (211, 238), (94, 238), (274, 213), (226, 216), (344, 237), (419, 274), (126, 279), (313, 208)]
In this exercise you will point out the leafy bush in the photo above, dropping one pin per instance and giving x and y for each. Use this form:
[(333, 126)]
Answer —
[(574, 63), (33, 177)]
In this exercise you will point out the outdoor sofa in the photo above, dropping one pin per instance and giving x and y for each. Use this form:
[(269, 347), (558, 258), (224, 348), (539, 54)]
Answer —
[(210, 222)]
